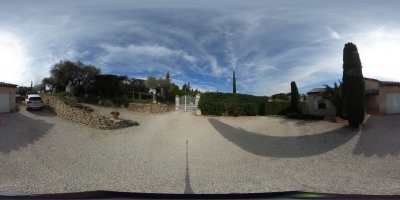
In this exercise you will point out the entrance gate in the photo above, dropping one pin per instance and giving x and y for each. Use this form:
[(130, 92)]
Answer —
[(187, 103)]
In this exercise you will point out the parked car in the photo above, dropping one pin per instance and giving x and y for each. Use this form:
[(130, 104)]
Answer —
[(29, 92), (33, 101), (19, 98)]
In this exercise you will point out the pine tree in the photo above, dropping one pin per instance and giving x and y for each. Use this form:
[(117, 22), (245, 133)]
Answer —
[(353, 85), (234, 83), (295, 98)]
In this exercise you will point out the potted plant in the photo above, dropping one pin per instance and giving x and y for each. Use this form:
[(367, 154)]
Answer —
[(114, 114)]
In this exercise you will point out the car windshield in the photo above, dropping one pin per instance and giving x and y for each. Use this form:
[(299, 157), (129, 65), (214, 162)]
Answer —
[(35, 99), (200, 96)]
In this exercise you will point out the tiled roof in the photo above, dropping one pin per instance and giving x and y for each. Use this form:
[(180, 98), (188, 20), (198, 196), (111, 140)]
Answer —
[(319, 90), (316, 90), (371, 79), (2, 84), (389, 83)]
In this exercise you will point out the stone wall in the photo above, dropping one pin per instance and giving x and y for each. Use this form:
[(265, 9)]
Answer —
[(81, 116), (150, 108)]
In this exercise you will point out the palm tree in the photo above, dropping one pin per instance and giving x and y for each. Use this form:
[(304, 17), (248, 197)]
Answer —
[(335, 96)]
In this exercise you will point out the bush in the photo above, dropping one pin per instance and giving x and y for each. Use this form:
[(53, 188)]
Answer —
[(212, 108), (282, 108), (230, 98), (136, 124), (78, 90), (236, 109), (118, 101), (305, 116), (17, 108)]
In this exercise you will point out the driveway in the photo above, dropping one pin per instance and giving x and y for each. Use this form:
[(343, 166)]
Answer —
[(177, 152)]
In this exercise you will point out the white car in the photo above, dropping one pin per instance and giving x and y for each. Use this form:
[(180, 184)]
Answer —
[(33, 101)]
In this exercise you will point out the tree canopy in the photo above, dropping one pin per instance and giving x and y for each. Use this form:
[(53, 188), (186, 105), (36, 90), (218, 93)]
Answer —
[(67, 73)]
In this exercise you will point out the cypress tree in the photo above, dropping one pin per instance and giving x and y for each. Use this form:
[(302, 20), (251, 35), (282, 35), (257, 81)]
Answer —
[(295, 98), (353, 85), (234, 83)]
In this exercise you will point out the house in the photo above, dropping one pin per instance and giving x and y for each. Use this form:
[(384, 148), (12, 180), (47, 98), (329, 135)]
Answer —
[(381, 97), (7, 97)]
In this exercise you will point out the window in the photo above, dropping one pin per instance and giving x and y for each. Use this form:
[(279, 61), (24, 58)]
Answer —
[(321, 104)]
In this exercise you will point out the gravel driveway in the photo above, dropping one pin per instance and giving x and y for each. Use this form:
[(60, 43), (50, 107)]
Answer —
[(177, 152)]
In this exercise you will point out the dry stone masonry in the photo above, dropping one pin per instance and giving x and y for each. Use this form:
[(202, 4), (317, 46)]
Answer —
[(150, 108), (81, 116)]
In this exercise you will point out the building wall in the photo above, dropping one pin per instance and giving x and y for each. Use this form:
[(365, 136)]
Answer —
[(383, 90), (11, 91), (331, 111), (370, 85), (372, 104)]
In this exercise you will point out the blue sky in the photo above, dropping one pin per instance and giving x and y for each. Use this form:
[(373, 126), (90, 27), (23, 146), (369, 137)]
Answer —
[(268, 43)]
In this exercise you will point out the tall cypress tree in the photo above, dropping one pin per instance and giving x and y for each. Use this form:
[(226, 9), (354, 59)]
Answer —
[(353, 85), (295, 98), (234, 82)]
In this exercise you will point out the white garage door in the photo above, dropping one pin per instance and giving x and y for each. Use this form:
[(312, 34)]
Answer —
[(4, 102), (392, 103)]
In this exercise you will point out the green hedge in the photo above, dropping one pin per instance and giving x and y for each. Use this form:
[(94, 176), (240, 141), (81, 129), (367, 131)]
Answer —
[(238, 109), (306, 116), (209, 107), (220, 108), (282, 108), (230, 99)]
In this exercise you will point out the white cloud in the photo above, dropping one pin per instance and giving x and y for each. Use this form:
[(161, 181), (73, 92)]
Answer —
[(147, 50)]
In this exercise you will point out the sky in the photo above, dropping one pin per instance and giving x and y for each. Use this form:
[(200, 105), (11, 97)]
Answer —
[(267, 43)]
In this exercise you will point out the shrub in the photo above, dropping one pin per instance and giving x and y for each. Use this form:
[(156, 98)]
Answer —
[(230, 98), (241, 109), (212, 108), (136, 124), (282, 108), (118, 101), (17, 108), (78, 90)]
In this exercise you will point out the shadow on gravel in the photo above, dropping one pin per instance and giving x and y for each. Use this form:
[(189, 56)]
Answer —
[(188, 188), (284, 147), (18, 131), (44, 113), (380, 137)]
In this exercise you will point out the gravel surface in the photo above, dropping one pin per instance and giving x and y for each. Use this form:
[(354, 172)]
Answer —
[(177, 152)]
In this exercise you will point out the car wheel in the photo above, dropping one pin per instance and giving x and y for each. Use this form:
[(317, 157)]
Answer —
[(41, 108), (26, 108)]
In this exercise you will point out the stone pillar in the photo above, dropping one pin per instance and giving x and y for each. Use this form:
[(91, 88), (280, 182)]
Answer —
[(197, 100), (176, 102)]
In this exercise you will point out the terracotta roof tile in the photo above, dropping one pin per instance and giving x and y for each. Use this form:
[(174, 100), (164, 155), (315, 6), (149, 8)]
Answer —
[(2, 84)]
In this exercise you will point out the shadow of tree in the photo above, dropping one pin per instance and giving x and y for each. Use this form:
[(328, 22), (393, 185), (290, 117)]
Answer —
[(18, 131), (284, 147), (380, 137)]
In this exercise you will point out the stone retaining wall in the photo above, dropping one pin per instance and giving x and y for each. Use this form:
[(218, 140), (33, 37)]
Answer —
[(150, 108), (81, 116)]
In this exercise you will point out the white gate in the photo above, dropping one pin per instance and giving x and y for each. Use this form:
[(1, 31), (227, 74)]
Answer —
[(187, 103)]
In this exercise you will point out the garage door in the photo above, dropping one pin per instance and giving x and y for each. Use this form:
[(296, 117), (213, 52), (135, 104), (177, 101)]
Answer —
[(392, 103), (4, 102)]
